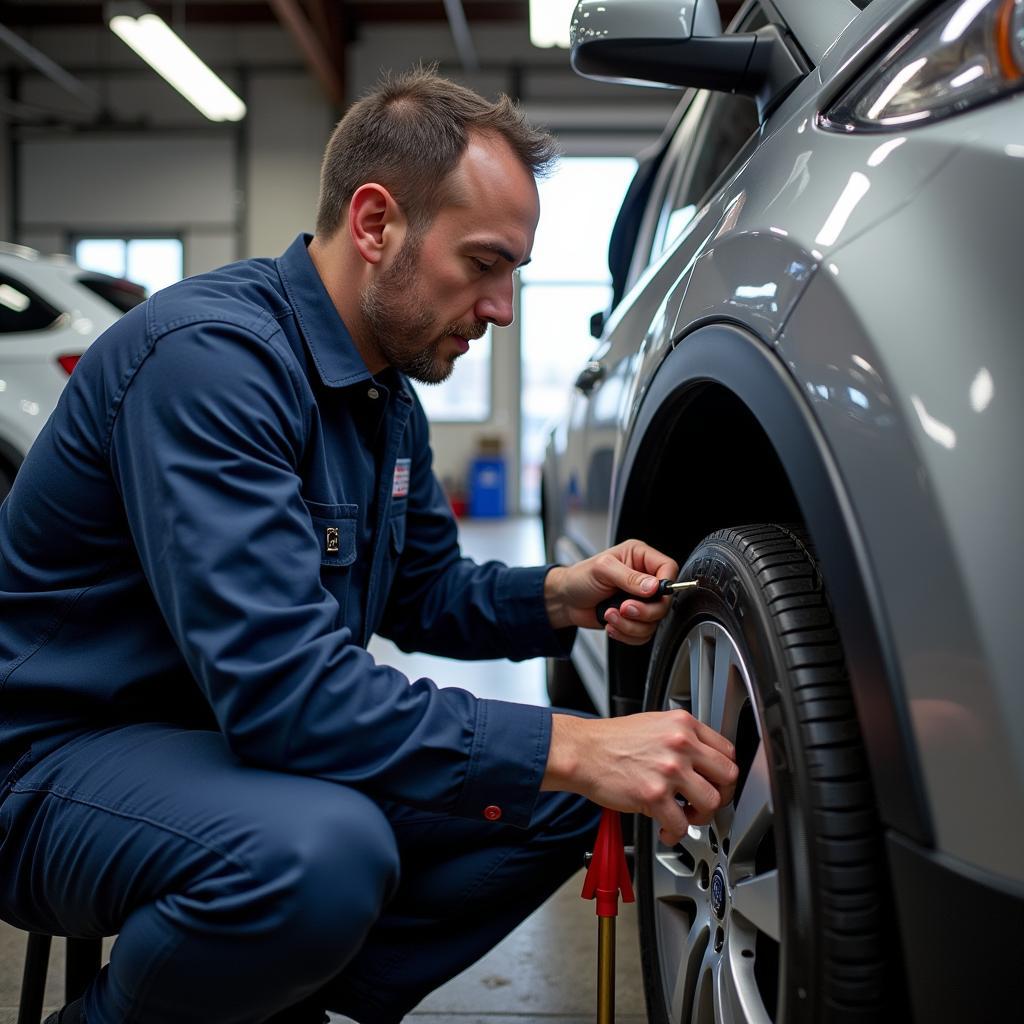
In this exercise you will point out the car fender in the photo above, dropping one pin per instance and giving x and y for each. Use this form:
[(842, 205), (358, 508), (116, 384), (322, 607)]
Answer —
[(913, 373), (733, 358)]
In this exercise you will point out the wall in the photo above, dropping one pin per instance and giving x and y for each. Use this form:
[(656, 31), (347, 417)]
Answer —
[(181, 184), (288, 126)]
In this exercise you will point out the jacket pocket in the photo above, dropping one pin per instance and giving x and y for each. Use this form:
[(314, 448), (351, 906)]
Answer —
[(335, 529)]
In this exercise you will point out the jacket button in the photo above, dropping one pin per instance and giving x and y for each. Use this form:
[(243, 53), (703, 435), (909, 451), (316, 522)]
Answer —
[(492, 813), (373, 393)]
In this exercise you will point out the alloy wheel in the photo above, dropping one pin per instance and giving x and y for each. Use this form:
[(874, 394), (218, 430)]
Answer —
[(716, 903)]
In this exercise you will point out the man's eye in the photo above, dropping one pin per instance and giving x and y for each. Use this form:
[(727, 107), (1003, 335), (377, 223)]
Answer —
[(480, 265)]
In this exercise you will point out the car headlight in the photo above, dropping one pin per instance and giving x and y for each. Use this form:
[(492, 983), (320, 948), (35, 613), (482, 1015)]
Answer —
[(966, 53)]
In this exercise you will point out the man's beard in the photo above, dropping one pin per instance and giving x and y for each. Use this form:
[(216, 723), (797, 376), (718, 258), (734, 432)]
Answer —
[(397, 319)]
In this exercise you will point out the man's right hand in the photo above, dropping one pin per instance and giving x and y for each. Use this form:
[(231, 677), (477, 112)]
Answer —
[(639, 763)]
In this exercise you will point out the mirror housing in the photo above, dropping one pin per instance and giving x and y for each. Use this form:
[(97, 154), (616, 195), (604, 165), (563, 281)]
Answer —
[(678, 44)]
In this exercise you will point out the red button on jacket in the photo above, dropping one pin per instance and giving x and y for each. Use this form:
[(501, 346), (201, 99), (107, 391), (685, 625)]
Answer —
[(492, 813)]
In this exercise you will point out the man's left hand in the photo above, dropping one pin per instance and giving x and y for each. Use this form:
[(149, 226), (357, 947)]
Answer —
[(572, 593)]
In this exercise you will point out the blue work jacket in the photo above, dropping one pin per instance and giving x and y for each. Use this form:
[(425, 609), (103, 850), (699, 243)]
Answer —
[(223, 508)]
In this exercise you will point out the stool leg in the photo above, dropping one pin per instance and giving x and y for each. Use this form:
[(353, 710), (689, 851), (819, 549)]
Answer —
[(33, 980), (81, 966)]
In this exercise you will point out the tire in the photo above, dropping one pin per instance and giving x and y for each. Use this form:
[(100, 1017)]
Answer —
[(773, 912), (565, 688)]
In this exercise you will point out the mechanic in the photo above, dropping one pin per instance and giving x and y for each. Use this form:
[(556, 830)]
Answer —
[(233, 494)]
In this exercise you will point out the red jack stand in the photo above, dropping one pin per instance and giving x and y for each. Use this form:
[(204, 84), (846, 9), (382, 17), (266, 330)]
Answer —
[(607, 876)]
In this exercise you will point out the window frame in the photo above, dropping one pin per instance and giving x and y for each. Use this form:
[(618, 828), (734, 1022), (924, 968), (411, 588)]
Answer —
[(683, 182), (422, 389)]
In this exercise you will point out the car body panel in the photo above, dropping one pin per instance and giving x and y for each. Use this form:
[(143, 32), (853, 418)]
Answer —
[(818, 24), (942, 449)]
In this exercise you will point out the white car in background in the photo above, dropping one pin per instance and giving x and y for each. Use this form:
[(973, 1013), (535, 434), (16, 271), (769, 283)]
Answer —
[(51, 310)]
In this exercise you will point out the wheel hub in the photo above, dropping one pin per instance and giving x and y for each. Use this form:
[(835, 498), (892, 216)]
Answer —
[(718, 891)]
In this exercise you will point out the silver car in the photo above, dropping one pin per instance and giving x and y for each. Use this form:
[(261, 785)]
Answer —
[(808, 392)]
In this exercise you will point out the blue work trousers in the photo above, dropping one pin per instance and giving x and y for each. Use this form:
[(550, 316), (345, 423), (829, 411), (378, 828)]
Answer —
[(237, 893)]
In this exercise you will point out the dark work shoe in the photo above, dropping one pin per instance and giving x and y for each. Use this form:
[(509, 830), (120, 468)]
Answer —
[(71, 1014)]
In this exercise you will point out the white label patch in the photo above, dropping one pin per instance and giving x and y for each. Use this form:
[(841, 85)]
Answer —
[(400, 488)]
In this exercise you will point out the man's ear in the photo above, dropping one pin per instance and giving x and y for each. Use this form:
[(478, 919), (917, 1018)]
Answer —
[(375, 221)]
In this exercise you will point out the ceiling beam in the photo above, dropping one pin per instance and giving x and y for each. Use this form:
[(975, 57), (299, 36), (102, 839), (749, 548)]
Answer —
[(460, 33), (50, 68), (319, 59)]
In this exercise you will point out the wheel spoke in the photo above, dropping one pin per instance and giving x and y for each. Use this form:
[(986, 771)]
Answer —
[(699, 676), (707, 645), (757, 899), (687, 969), (738, 997), (725, 1010), (728, 696), (721, 672), (673, 880), (729, 693), (695, 842), (753, 815), (703, 1010), (681, 678)]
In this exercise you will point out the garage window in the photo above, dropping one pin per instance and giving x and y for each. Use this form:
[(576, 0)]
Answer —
[(465, 397), (566, 283), (153, 263)]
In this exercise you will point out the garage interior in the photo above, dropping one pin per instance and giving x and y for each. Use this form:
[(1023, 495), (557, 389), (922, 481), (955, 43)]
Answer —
[(96, 146)]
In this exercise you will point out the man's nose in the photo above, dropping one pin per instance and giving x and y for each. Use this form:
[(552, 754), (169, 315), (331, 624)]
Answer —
[(496, 305)]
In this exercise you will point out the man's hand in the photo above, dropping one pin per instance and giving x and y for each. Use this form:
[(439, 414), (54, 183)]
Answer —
[(640, 763), (571, 593)]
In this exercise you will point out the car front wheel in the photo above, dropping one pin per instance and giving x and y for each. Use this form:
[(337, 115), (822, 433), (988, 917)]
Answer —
[(772, 912)]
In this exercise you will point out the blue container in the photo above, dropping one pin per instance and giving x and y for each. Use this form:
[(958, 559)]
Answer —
[(487, 487)]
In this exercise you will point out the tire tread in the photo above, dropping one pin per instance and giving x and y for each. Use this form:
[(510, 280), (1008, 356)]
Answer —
[(845, 831)]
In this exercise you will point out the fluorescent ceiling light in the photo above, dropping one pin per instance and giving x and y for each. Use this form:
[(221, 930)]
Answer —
[(549, 22), (150, 37)]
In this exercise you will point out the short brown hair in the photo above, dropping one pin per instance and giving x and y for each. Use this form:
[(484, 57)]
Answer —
[(408, 135)]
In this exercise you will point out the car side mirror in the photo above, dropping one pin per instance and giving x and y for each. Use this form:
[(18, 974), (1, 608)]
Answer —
[(678, 43)]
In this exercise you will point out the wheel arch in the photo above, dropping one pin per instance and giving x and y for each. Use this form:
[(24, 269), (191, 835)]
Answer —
[(724, 389)]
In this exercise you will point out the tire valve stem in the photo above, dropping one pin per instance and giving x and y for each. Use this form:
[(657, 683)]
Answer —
[(666, 588), (674, 586)]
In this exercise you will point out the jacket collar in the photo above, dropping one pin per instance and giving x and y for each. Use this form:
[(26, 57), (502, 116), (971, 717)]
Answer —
[(330, 344)]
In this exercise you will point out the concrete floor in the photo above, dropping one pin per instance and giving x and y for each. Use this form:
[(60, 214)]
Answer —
[(545, 970)]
